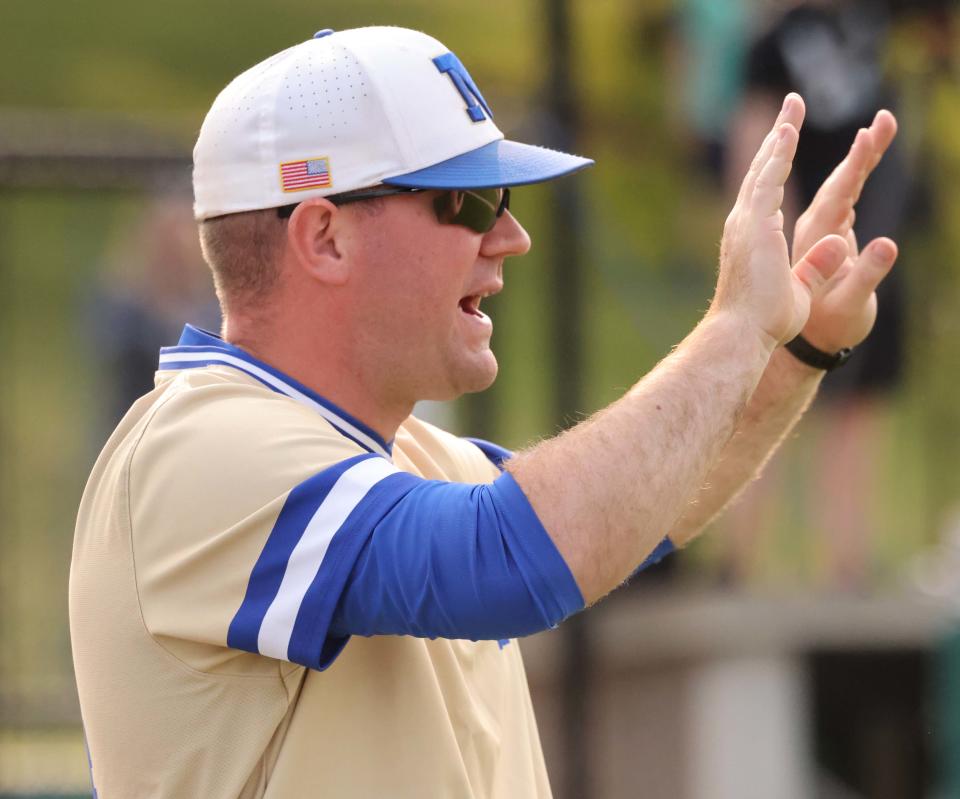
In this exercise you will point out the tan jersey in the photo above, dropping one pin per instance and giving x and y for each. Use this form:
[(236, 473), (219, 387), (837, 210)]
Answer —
[(176, 513)]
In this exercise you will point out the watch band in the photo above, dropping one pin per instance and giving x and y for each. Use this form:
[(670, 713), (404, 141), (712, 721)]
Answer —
[(804, 351)]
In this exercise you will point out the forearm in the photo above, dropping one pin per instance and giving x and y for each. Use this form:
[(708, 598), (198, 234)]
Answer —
[(607, 490), (783, 394)]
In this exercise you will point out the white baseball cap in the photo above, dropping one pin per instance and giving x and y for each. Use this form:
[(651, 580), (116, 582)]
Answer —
[(353, 109)]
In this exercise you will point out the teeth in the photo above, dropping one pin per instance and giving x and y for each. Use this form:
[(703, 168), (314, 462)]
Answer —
[(471, 302)]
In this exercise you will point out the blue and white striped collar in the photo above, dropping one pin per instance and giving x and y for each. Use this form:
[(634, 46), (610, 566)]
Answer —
[(198, 348)]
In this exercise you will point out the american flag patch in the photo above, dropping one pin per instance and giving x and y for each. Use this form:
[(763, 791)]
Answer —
[(311, 173)]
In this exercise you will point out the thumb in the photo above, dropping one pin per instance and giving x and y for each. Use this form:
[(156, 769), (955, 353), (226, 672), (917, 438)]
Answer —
[(873, 265), (821, 261)]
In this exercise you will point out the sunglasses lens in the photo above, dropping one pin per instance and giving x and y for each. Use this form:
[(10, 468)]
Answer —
[(476, 209)]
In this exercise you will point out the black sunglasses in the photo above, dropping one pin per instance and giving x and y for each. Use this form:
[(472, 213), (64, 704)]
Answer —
[(476, 209)]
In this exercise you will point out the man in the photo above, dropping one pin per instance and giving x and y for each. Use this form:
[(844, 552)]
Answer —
[(273, 497)]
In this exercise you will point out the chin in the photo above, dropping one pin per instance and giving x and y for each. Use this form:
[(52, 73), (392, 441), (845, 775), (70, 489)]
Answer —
[(483, 375), (481, 384), (478, 375)]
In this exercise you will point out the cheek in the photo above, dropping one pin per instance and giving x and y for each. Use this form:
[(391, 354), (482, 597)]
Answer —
[(404, 306), (413, 273)]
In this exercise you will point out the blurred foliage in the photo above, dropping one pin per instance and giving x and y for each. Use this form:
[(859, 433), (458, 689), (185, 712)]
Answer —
[(168, 59), (652, 227)]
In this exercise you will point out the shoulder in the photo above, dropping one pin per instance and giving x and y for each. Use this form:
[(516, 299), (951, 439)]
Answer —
[(437, 454), (218, 438), (215, 404)]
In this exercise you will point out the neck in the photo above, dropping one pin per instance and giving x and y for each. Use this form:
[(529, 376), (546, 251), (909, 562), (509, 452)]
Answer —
[(323, 365)]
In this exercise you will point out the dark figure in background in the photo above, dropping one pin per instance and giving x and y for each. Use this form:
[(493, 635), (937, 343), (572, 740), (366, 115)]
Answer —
[(152, 280), (831, 53)]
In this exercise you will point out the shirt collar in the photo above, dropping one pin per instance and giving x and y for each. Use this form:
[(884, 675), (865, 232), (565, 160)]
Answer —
[(199, 348)]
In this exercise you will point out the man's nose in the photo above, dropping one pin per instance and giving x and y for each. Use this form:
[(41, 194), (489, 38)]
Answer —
[(507, 237)]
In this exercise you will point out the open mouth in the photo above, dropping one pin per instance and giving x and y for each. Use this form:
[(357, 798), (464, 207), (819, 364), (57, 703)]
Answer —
[(471, 305)]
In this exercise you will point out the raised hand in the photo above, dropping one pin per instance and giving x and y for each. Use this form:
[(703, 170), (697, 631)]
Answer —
[(756, 279), (844, 307)]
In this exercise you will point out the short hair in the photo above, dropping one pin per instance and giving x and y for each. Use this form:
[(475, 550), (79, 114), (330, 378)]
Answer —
[(242, 250)]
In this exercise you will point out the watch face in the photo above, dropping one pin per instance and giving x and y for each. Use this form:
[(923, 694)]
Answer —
[(842, 357)]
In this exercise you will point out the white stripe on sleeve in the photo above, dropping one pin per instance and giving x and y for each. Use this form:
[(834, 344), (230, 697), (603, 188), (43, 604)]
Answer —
[(307, 556)]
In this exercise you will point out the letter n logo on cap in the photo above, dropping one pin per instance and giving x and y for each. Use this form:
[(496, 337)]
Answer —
[(476, 105)]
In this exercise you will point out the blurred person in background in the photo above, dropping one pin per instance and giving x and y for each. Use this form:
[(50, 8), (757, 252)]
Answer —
[(153, 279), (832, 54), (708, 69)]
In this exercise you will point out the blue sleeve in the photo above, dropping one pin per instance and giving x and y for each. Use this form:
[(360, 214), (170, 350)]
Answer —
[(498, 455), (365, 549), (458, 561), (660, 551)]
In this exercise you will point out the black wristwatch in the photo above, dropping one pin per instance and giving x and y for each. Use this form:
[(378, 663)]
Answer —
[(804, 351)]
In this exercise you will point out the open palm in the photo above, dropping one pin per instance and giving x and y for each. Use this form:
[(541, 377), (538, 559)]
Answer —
[(756, 278), (843, 311)]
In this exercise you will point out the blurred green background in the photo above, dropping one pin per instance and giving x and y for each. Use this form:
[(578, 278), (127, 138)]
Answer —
[(652, 226)]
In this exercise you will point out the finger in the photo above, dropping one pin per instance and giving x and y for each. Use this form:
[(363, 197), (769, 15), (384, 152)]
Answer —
[(767, 195), (842, 188), (872, 266), (821, 262), (853, 171), (761, 158), (792, 112), (869, 145), (884, 129), (848, 222)]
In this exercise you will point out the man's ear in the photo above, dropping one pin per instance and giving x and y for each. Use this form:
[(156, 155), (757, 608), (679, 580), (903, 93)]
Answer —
[(316, 238)]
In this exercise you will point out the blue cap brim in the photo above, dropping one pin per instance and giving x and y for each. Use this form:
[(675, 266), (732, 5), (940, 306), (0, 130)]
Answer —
[(498, 164)]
